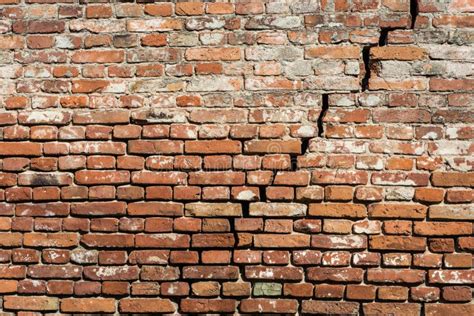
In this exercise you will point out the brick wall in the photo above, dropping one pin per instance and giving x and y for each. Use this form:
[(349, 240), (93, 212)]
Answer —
[(310, 157)]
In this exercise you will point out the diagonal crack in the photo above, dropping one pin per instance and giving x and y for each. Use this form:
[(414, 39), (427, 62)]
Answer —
[(382, 42)]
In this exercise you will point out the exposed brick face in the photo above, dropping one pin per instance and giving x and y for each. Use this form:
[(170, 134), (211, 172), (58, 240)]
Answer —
[(237, 157)]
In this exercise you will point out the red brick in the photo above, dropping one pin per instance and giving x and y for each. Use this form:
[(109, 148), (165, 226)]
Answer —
[(57, 240), (323, 307), (30, 303), (249, 8), (450, 276), (8, 286), (442, 229), (451, 84), (210, 54), (410, 211), (445, 309), (268, 306), (395, 276), (397, 243), (88, 305), (207, 305), (219, 8), (457, 294), (460, 260), (146, 305), (392, 293), (451, 179), (397, 53), (55, 272), (98, 11), (162, 241), (160, 9), (333, 52), (20, 149), (211, 272), (335, 274), (392, 308), (98, 208), (425, 294), (337, 210), (189, 8), (107, 241)]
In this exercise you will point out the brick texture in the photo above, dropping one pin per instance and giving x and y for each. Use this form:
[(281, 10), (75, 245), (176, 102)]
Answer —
[(240, 157)]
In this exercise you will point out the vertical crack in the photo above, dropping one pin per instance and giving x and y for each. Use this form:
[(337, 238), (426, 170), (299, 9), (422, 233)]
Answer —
[(262, 193), (384, 34), (367, 64), (382, 42), (245, 209), (304, 145), (413, 12), (294, 162), (294, 157), (324, 109)]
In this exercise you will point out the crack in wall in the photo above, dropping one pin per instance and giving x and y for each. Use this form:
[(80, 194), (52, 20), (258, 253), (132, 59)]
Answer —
[(245, 208), (382, 42), (324, 109), (262, 193), (413, 12), (384, 34), (367, 64)]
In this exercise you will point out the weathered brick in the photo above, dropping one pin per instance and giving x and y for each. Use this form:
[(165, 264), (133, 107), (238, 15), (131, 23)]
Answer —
[(333, 52), (274, 273), (213, 209), (142, 305), (31, 303), (111, 273), (98, 208), (451, 179), (335, 274), (20, 149), (339, 242), (323, 307), (211, 272), (398, 53), (410, 211), (397, 243), (208, 305), (57, 240), (88, 305), (268, 306), (395, 276), (442, 229), (162, 241), (443, 309), (55, 272), (450, 276), (155, 208), (274, 241), (392, 308), (213, 147), (338, 210), (277, 209)]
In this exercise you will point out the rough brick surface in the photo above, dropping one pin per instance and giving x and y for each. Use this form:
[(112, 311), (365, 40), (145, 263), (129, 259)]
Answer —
[(237, 157)]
